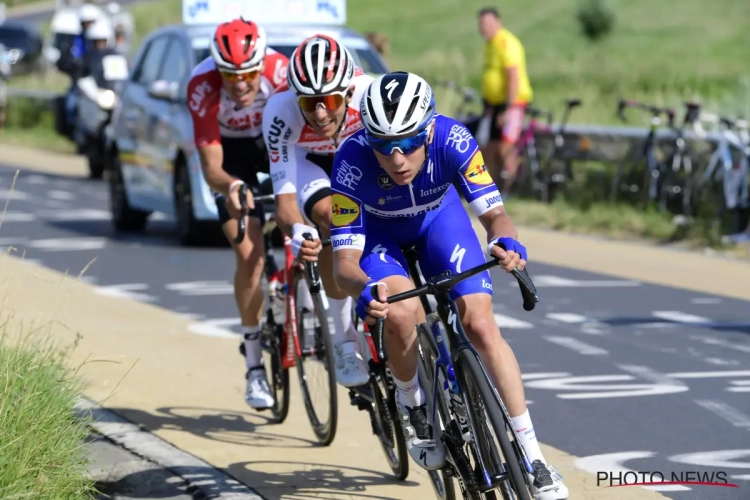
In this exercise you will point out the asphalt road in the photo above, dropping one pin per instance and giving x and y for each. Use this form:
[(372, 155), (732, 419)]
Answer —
[(627, 375)]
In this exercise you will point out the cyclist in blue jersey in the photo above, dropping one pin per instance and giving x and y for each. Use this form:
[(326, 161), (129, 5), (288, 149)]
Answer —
[(410, 157)]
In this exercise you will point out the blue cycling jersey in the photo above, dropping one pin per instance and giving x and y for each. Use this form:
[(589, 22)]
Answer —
[(366, 200)]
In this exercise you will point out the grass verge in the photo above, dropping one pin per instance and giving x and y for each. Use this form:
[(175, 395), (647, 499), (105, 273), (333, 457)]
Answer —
[(41, 455)]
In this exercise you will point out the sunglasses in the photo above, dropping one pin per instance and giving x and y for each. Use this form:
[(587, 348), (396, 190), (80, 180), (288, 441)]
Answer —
[(309, 104), (240, 76), (406, 145)]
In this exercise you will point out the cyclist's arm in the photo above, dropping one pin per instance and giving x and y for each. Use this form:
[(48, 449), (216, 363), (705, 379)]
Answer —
[(282, 154), (346, 271), (203, 102)]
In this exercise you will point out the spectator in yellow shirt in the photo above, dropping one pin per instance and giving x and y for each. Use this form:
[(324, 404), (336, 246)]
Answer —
[(506, 93)]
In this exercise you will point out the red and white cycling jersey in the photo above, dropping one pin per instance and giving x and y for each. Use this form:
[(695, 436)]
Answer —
[(289, 138), (213, 110)]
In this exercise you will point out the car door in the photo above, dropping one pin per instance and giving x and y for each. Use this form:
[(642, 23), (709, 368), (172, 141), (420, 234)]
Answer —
[(164, 131), (137, 164)]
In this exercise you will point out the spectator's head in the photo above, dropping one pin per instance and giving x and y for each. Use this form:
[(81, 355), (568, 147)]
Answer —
[(379, 41), (489, 22), (119, 34), (100, 34), (87, 13)]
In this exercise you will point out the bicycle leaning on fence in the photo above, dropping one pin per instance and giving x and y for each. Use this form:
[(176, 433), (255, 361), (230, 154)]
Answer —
[(458, 388), (296, 331)]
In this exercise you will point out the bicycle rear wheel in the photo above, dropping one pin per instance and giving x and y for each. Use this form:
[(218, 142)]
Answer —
[(489, 427), (315, 365)]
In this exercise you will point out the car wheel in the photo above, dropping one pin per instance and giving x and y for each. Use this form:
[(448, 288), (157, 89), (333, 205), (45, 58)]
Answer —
[(191, 231), (124, 218), (95, 158)]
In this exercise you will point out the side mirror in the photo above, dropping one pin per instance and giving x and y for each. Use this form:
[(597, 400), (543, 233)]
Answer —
[(164, 90)]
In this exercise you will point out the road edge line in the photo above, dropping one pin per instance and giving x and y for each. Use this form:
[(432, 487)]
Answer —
[(200, 476)]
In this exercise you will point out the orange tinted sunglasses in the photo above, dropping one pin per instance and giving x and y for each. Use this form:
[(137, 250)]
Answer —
[(331, 102), (244, 76)]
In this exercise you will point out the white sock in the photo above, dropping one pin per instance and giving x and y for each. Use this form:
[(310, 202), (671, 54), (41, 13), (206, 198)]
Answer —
[(526, 435), (253, 351), (410, 393), (341, 313)]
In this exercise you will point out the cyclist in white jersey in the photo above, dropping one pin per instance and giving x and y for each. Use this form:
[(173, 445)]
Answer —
[(303, 126)]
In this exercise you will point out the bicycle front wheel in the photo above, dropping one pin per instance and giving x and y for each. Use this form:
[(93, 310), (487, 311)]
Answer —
[(489, 427), (315, 366)]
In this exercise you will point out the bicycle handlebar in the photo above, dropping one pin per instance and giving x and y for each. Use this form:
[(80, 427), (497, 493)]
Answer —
[(241, 226), (654, 110), (312, 270)]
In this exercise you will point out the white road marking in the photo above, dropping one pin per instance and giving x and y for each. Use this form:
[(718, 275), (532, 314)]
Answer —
[(739, 386), (602, 387), (721, 459), (126, 291), (198, 288), (548, 281), (722, 343), (16, 217), (77, 214), (680, 317), (570, 318), (537, 376), (577, 346), (722, 362), (36, 179), (57, 194), (726, 411), (69, 244), (699, 375), (705, 300), (504, 321), (13, 194), (613, 464), (216, 328)]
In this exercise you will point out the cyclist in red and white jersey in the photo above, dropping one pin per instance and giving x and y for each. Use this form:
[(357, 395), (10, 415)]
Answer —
[(227, 93), (303, 126)]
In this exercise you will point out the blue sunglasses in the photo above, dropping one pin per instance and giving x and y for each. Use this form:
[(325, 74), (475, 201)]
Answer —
[(406, 145)]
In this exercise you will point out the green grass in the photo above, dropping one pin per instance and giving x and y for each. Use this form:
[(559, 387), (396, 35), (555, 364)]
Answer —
[(41, 455)]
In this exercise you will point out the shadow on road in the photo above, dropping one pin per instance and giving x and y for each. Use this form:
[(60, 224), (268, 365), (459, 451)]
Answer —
[(724, 326), (301, 480), (229, 426)]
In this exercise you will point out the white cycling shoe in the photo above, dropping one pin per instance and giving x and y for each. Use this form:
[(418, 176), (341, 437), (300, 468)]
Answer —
[(424, 445), (546, 483), (258, 393), (351, 369)]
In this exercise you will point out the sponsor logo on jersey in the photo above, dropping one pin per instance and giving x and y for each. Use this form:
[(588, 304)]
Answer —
[(435, 190), (385, 181), (348, 240), (277, 125), (477, 173), (491, 201), (197, 97), (348, 175), (345, 210), (459, 138)]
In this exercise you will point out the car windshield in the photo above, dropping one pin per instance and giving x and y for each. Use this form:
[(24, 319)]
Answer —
[(364, 58), (62, 40)]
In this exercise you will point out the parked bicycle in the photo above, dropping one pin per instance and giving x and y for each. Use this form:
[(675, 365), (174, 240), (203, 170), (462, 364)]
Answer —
[(468, 97), (544, 178), (657, 180), (723, 185), (296, 331), (471, 414)]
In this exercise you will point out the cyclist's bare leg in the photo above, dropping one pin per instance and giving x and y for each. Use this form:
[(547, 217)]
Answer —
[(400, 333), (248, 293), (497, 356)]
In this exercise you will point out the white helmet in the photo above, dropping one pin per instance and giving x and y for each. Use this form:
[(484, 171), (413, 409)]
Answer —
[(89, 13), (397, 103), (100, 30), (319, 66)]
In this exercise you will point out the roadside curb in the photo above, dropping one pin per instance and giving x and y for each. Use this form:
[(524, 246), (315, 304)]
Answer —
[(203, 480)]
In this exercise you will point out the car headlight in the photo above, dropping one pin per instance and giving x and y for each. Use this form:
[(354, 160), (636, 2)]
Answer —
[(106, 99)]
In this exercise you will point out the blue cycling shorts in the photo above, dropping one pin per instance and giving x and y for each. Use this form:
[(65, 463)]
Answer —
[(448, 243)]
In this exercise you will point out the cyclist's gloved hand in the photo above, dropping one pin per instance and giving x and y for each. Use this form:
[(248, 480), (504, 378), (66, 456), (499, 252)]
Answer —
[(370, 305), (301, 248), (509, 252)]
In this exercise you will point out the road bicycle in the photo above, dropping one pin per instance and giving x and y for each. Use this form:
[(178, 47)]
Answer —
[(723, 184), (546, 178), (296, 332), (475, 425), (657, 180)]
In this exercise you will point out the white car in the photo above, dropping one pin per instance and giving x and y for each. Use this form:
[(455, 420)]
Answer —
[(152, 164)]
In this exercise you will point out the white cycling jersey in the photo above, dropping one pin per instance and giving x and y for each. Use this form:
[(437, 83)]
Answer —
[(291, 142)]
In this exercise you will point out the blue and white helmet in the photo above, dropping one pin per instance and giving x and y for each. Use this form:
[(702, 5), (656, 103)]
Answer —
[(396, 104)]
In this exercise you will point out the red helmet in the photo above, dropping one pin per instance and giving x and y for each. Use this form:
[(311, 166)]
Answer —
[(238, 45)]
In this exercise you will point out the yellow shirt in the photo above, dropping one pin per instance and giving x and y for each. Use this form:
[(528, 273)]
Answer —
[(502, 52)]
